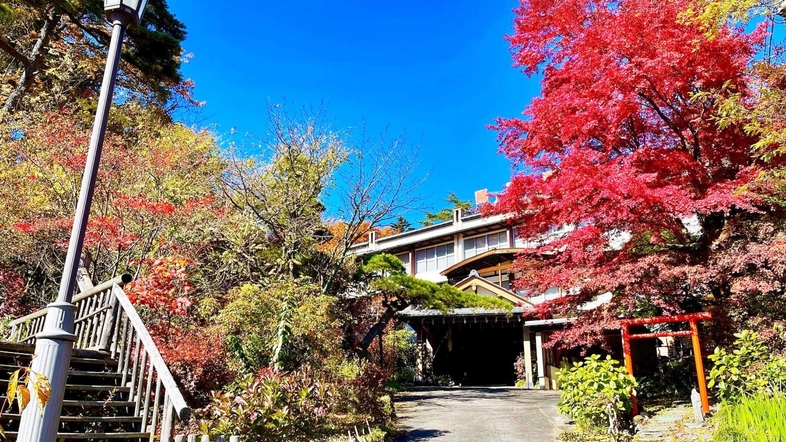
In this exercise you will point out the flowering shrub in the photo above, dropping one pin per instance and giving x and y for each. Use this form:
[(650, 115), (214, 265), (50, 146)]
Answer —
[(272, 406)]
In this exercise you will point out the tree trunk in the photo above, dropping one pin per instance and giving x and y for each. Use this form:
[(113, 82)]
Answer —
[(376, 329), (30, 71)]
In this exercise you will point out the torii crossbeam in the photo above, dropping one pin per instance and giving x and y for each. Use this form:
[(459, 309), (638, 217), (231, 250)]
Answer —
[(691, 318)]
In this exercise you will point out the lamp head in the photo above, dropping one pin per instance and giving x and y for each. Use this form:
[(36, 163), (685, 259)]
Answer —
[(127, 11)]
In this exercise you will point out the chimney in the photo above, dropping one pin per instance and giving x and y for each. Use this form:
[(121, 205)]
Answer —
[(372, 240), (457, 215), (481, 196)]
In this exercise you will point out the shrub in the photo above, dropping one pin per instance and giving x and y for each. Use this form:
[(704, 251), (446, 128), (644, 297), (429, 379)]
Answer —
[(197, 361), (757, 418), (593, 390), (403, 349), (304, 404), (252, 319), (273, 406), (673, 379), (749, 369)]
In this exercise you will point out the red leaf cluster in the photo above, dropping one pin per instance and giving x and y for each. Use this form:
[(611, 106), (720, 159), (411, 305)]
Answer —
[(164, 285), (197, 360), (12, 293)]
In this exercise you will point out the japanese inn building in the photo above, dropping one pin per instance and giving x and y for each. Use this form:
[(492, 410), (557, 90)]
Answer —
[(475, 346)]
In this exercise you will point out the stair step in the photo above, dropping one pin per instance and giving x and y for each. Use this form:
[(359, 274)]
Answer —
[(17, 346), (91, 403), (85, 419), (86, 403), (30, 348), (89, 436), (95, 374), (80, 387), (74, 360), (79, 373)]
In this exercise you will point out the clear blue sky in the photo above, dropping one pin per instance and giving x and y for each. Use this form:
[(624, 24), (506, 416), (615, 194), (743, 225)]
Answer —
[(439, 70)]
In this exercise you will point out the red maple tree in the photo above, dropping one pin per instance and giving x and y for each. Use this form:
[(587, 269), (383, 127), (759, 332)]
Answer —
[(622, 146)]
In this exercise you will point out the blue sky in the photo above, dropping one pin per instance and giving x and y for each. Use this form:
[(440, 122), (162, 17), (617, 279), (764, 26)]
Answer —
[(438, 70)]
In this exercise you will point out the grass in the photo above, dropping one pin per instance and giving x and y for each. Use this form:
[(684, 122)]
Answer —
[(758, 418)]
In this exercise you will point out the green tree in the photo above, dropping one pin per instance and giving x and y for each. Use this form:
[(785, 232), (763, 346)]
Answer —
[(401, 225), (446, 214), (280, 188), (384, 275), (53, 49)]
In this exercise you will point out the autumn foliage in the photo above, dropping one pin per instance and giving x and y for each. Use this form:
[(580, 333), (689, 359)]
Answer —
[(623, 146)]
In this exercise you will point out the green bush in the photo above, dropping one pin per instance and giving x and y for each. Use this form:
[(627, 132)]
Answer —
[(593, 389), (748, 370), (757, 418), (403, 347), (252, 322)]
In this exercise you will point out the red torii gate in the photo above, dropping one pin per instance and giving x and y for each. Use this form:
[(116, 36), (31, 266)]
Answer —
[(693, 319)]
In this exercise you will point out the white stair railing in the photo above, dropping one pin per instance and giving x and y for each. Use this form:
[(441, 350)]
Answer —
[(107, 321), (92, 323)]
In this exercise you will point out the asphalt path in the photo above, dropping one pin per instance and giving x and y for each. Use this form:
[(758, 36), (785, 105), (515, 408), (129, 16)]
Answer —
[(497, 414)]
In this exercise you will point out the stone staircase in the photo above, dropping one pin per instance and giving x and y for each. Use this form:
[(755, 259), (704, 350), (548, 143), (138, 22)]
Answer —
[(118, 386)]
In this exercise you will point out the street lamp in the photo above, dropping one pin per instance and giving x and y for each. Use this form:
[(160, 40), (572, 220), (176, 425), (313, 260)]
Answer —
[(55, 342)]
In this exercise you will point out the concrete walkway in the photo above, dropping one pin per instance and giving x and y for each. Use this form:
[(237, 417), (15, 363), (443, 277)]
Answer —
[(496, 414)]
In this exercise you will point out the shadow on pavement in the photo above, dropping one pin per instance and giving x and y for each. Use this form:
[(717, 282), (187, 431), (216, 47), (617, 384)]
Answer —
[(416, 435)]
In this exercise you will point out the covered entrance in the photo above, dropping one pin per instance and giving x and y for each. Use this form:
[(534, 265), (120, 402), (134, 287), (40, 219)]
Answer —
[(479, 356), (474, 347)]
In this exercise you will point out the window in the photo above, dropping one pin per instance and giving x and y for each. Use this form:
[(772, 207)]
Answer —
[(479, 244), (434, 258), (404, 257)]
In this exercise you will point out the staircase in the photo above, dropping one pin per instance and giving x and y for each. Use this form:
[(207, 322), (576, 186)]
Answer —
[(118, 386)]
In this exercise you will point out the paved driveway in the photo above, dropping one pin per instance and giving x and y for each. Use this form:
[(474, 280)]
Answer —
[(495, 414)]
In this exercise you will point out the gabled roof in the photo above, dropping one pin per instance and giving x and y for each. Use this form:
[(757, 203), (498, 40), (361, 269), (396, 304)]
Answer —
[(500, 292), (486, 259)]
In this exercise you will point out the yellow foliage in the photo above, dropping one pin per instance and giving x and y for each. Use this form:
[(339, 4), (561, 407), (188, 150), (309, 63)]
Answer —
[(715, 14)]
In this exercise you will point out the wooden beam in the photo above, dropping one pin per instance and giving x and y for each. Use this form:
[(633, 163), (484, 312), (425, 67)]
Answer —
[(496, 268)]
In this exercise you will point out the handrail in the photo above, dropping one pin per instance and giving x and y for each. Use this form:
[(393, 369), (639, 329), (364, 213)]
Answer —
[(107, 321), (120, 280), (164, 375)]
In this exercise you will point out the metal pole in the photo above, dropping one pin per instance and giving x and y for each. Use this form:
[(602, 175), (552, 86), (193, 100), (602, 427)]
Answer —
[(55, 342)]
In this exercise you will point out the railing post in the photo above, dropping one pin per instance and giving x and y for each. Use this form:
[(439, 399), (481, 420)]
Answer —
[(110, 319), (167, 422)]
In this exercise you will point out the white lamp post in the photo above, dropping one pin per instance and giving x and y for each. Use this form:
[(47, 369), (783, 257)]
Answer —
[(55, 342)]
